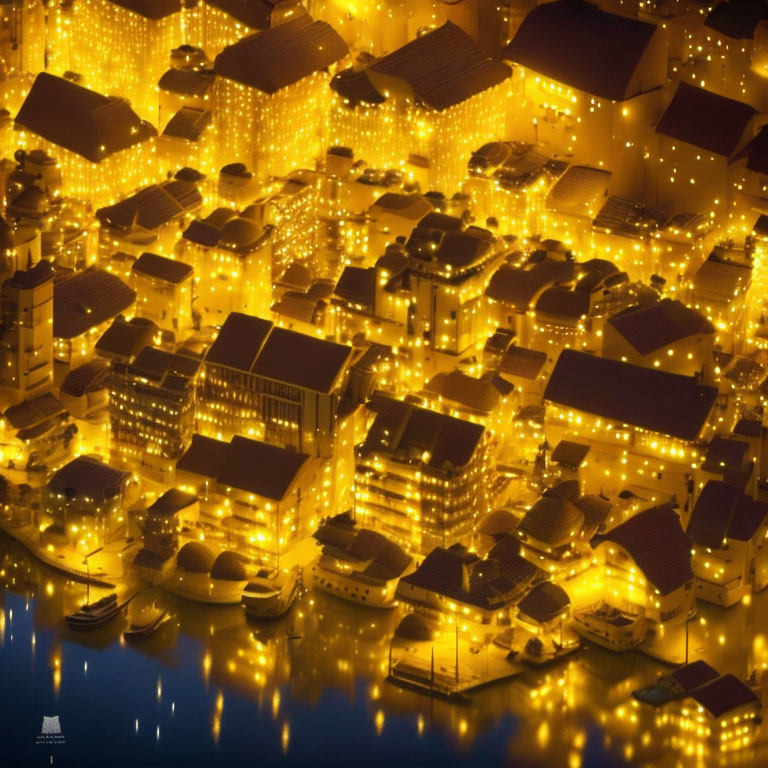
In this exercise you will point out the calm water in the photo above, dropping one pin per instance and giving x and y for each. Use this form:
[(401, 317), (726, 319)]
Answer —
[(211, 688)]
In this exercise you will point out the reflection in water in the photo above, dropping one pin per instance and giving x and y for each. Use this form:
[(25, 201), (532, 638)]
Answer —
[(283, 687)]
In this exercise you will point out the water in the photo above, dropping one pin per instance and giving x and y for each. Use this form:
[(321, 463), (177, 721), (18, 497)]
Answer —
[(212, 688)]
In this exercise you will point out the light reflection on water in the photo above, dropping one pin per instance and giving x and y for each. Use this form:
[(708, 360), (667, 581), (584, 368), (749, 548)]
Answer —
[(212, 687)]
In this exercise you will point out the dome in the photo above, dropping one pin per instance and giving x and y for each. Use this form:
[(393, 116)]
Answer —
[(414, 627), (229, 566), (239, 233), (545, 602), (497, 523), (195, 557)]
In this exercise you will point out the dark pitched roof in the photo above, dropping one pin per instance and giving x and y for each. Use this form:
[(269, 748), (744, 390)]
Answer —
[(31, 278), (88, 299), (582, 46), (152, 206), (188, 123), (656, 542), (551, 520), (186, 82), (151, 9), (85, 378), (239, 341), (481, 395), (164, 367), (723, 695), (737, 19), (257, 14), (725, 453), (545, 602), (355, 87), (126, 338), (570, 453), (648, 328), (162, 268), (443, 67), (723, 511), (693, 675), (88, 477), (705, 119), (523, 362), (628, 218), (205, 456), (563, 303), (282, 55), (757, 154), (260, 468), (32, 412), (357, 285), (171, 502), (630, 394), (721, 280), (579, 190), (82, 121), (401, 428)]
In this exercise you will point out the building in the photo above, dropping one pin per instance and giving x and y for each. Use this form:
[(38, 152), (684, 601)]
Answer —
[(152, 410), (255, 96), (728, 530), (262, 498), (278, 385), (164, 291), (26, 342), (440, 95), (644, 424), (592, 81), (87, 502), (232, 257), (645, 580), (421, 477), (84, 304), (667, 334), (103, 147)]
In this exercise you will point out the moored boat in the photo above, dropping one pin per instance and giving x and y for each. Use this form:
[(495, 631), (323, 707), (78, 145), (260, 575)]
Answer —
[(94, 615), (271, 595), (147, 621)]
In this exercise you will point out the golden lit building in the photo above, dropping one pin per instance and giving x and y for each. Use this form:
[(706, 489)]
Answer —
[(440, 96), (256, 97), (278, 385), (164, 291), (152, 410), (261, 497), (422, 477), (26, 343), (103, 147), (118, 46)]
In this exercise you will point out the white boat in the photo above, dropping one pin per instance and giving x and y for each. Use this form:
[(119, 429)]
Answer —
[(94, 615), (147, 621), (610, 627), (271, 595)]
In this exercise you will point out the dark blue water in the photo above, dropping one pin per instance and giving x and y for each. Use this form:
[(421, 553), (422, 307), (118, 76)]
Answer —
[(212, 689)]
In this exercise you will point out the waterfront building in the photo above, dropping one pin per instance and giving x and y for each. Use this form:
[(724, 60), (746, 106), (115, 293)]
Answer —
[(422, 478), (152, 411), (274, 384)]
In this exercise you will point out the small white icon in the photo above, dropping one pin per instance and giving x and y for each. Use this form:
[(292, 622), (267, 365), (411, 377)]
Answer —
[(51, 725)]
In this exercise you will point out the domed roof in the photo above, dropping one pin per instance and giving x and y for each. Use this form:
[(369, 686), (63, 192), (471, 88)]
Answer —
[(414, 627), (497, 523), (195, 557), (552, 520), (229, 566), (239, 233), (545, 602)]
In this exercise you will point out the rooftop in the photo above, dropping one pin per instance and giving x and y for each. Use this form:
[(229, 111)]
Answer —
[(259, 14), (82, 121), (162, 268), (580, 45), (90, 478), (656, 542), (648, 398), (282, 55)]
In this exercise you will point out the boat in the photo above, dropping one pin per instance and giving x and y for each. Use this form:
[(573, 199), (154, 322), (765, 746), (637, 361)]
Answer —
[(94, 615), (147, 621), (270, 595), (611, 627)]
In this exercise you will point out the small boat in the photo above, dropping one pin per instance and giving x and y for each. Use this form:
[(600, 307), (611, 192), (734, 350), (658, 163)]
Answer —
[(271, 595), (96, 614), (147, 621), (611, 627)]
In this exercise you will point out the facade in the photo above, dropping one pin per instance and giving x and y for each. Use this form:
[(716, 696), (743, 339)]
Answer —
[(422, 477), (164, 291), (274, 384)]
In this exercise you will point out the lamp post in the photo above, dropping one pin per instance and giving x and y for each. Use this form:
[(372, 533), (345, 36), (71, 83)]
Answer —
[(88, 575)]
